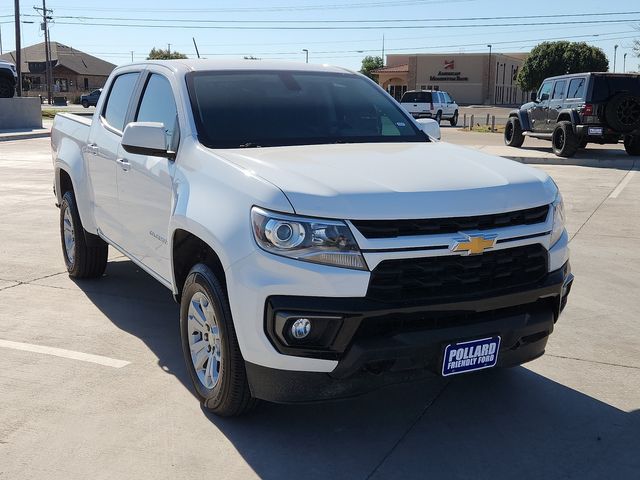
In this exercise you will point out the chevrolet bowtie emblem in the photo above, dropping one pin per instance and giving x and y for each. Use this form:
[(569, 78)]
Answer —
[(474, 244)]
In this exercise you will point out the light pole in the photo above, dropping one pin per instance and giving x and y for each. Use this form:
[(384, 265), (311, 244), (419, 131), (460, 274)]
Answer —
[(624, 63), (307, 54), (489, 79), (615, 54)]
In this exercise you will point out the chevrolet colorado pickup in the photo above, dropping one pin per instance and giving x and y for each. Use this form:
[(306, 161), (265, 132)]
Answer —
[(319, 242)]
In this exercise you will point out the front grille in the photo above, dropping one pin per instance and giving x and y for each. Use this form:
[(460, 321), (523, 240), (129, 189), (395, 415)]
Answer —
[(454, 277), (431, 226)]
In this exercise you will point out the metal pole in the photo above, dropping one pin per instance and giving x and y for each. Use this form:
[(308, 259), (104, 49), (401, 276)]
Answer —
[(624, 63), (306, 51), (489, 79), (131, 56), (47, 52), (615, 54), (472, 122), (0, 39), (18, 48), (383, 49)]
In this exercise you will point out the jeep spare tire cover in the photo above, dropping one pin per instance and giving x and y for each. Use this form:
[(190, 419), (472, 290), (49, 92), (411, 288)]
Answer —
[(623, 112)]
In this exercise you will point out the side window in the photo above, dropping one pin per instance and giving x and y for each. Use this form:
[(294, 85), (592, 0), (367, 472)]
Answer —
[(447, 98), (115, 111), (576, 88), (158, 105), (545, 89), (558, 90)]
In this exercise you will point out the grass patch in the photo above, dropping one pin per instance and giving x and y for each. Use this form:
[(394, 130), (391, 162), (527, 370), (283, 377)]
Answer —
[(486, 129), (50, 113)]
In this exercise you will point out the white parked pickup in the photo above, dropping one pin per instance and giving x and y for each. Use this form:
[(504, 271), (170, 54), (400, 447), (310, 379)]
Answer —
[(319, 242)]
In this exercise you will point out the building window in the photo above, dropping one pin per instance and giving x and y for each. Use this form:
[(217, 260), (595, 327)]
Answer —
[(60, 85)]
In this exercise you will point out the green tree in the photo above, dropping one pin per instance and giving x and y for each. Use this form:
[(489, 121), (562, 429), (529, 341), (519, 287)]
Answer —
[(160, 54), (558, 58), (369, 64)]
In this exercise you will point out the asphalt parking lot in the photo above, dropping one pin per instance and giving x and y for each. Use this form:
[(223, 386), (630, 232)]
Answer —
[(92, 380)]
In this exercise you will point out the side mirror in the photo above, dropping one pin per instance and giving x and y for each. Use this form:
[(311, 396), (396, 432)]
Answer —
[(534, 96), (430, 127), (545, 96), (146, 138)]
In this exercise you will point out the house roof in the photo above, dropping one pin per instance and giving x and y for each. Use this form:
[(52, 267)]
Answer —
[(80, 62), (395, 69)]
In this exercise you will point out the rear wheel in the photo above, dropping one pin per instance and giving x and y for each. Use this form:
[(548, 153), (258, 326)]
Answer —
[(85, 103), (454, 119), (632, 145), (438, 116), (564, 141), (210, 346), (82, 260), (513, 136), (7, 90)]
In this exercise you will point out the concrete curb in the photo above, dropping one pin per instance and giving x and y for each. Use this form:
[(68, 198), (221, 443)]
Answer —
[(577, 162), (8, 137)]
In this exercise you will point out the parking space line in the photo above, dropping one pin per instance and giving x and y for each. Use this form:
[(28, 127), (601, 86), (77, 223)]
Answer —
[(625, 181), (61, 352)]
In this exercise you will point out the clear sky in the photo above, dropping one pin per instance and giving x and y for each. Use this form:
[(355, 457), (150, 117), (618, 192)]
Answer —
[(282, 28)]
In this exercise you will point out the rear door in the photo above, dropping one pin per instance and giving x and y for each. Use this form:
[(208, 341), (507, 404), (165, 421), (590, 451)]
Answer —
[(102, 150), (417, 103), (556, 103), (449, 107), (145, 182)]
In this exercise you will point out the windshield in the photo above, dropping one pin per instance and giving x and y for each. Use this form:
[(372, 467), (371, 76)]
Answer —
[(236, 109), (416, 97)]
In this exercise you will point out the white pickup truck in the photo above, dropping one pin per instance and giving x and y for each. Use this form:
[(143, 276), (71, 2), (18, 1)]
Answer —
[(319, 242)]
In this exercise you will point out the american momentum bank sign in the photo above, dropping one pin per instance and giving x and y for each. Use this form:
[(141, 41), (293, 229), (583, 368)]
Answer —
[(448, 76)]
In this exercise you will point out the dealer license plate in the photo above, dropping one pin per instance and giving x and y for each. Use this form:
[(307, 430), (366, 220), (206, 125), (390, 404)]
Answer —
[(469, 356)]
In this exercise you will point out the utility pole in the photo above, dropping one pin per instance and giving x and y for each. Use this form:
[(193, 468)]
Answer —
[(0, 39), (306, 51), (624, 63), (383, 49), (47, 49), (489, 79), (169, 49), (196, 45), (131, 56), (18, 48), (615, 55)]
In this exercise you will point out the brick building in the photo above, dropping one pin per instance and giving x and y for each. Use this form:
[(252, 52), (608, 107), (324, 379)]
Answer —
[(74, 72)]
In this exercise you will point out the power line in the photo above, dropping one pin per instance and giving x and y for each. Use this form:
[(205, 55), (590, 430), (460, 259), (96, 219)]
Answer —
[(358, 21), (355, 27)]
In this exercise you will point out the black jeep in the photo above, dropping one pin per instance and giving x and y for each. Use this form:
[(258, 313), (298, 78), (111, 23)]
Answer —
[(573, 110)]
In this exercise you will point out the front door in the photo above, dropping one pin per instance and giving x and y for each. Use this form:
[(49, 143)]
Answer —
[(101, 154), (538, 113), (145, 183)]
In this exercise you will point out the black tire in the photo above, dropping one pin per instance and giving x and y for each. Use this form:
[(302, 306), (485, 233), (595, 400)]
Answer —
[(632, 145), (85, 104), (438, 116), (89, 261), (7, 90), (513, 136), (583, 144), (230, 395), (454, 119), (623, 112), (564, 141)]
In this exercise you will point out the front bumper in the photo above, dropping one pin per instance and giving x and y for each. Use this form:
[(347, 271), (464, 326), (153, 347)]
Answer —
[(376, 345)]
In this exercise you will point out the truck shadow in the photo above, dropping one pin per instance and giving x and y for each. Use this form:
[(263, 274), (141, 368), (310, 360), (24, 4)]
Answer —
[(500, 424)]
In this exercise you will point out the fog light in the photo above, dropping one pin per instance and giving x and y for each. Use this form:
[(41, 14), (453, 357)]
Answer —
[(300, 328)]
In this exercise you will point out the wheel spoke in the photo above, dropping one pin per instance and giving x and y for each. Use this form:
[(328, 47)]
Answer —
[(199, 358), (197, 346)]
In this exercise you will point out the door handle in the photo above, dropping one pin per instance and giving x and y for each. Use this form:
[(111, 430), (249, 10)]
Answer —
[(92, 149), (124, 163)]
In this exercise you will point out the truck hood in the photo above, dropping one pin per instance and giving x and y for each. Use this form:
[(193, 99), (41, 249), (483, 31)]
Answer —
[(395, 180)]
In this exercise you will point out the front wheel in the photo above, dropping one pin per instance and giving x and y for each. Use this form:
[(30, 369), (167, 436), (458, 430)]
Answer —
[(454, 119), (7, 90), (564, 141), (82, 260), (632, 145), (210, 346), (85, 104), (438, 117), (513, 136)]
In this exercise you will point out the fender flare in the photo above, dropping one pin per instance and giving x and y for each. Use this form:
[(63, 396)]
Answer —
[(523, 118)]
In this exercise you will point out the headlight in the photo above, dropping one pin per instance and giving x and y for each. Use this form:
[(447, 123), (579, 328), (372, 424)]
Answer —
[(328, 242), (558, 219)]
